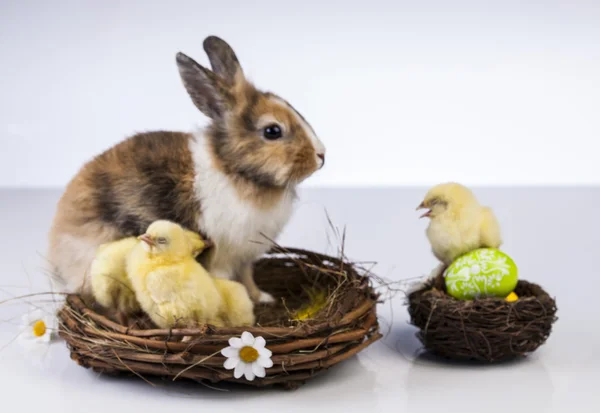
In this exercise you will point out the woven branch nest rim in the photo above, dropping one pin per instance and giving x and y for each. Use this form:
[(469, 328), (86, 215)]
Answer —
[(301, 348), (485, 330)]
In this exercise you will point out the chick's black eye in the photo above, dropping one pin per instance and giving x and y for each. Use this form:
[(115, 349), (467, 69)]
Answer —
[(272, 132), (161, 240)]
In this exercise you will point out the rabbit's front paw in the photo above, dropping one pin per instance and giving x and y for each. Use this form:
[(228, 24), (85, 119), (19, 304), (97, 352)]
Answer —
[(265, 298)]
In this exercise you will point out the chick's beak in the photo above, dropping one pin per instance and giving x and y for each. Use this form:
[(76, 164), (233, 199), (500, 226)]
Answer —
[(147, 239), (208, 244), (422, 206)]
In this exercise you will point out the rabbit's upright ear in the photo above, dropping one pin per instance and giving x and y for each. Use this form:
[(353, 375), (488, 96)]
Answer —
[(222, 58), (203, 87)]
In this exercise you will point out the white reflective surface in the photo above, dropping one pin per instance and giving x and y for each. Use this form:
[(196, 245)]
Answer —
[(551, 233)]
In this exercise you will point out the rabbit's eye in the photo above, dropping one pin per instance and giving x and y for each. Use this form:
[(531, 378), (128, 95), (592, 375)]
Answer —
[(161, 240), (272, 132)]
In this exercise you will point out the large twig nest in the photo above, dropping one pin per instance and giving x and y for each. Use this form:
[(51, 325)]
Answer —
[(489, 329), (343, 323)]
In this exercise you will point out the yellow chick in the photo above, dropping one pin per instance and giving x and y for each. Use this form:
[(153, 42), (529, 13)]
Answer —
[(170, 285), (318, 301), (459, 224), (238, 308), (110, 284)]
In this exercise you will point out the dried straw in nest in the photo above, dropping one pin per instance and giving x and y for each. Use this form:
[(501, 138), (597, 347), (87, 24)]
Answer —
[(489, 329), (341, 325)]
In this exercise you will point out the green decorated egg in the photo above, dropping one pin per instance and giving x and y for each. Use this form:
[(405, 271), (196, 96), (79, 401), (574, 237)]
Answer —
[(484, 272)]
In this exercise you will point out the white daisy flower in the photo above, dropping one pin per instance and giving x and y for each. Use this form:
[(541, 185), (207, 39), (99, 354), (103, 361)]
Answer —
[(247, 356), (37, 327)]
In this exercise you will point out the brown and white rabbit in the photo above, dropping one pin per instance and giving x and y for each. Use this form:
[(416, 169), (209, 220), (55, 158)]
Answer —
[(234, 181)]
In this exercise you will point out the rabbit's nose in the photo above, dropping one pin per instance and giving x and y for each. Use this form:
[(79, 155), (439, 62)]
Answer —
[(322, 158)]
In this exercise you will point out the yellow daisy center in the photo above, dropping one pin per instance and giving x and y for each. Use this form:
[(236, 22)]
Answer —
[(248, 354), (39, 328)]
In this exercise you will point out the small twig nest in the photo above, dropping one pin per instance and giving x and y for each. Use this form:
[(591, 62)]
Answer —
[(343, 323), (489, 329)]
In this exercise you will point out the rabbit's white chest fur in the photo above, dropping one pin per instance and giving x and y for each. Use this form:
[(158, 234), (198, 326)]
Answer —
[(234, 224)]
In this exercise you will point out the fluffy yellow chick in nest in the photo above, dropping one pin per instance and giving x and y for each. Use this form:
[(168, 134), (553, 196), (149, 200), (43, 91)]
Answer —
[(459, 224), (238, 309), (317, 301), (110, 284), (172, 287)]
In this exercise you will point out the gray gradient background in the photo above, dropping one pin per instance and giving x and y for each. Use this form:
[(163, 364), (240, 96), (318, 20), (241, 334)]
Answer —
[(413, 92)]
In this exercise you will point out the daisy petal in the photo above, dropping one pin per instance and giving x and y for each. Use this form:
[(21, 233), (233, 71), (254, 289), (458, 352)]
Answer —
[(231, 363), (27, 342), (51, 322), (236, 342), (239, 370), (248, 372), (230, 352), (265, 362), (265, 352), (37, 349), (39, 357), (36, 315), (259, 343), (26, 334), (259, 371), (247, 338)]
